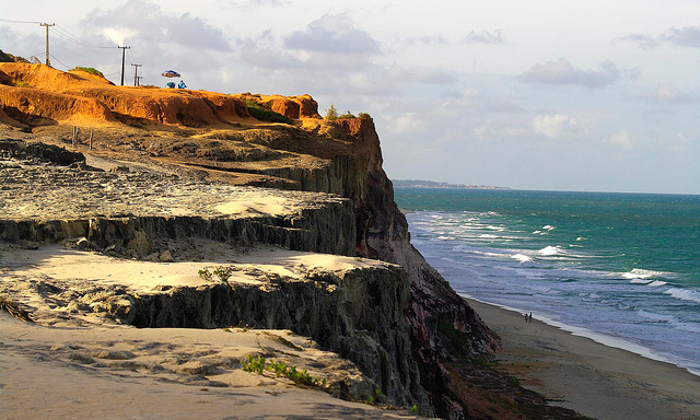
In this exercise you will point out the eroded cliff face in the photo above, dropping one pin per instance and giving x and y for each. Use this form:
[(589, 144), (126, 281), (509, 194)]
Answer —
[(341, 157), (383, 234), (357, 314)]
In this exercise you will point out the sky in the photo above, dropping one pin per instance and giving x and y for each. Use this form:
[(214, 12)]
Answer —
[(539, 94)]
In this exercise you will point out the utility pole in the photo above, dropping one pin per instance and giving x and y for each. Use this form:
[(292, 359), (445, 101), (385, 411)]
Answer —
[(136, 73), (123, 58), (48, 63)]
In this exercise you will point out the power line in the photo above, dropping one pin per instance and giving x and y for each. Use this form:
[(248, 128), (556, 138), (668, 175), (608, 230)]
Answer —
[(17, 21), (131, 56), (64, 64), (62, 32)]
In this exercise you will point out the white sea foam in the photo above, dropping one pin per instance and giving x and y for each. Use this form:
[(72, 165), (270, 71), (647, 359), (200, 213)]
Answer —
[(654, 317), (684, 294), (657, 283), (487, 236), (548, 227), (522, 258), (640, 273), (549, 251), (640, 281), (496, 228)]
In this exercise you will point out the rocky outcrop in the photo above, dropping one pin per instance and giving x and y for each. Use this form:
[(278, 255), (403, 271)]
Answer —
[(314, 231), (358, 314), (300, 106)]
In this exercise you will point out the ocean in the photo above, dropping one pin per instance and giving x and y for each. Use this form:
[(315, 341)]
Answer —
[(623, 269)]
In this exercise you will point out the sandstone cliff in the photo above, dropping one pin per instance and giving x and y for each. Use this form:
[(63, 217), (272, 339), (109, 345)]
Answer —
[(212, 137)]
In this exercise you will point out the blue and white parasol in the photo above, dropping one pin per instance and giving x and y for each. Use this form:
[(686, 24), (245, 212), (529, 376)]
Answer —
[(171, 74)]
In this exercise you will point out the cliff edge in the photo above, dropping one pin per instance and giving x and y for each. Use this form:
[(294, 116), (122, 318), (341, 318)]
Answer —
[(212, 146)]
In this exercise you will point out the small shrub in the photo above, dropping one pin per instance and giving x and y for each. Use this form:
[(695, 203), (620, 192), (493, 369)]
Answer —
[(205, 274), (89, 70), (18, 83), (299, 377), (364, 116), (332, 113), (223, 273), (347, 115), (264, 114), (414, 409)]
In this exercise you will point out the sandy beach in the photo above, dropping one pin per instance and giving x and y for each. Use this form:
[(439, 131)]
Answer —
[(597, 381)]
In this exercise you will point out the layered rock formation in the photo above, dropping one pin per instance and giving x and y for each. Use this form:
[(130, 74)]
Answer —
[(341, 157)]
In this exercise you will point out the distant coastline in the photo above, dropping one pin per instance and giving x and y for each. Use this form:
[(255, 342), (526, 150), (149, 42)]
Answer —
[(417, 183)]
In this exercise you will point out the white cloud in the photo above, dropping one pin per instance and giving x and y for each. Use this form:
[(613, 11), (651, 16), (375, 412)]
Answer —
[(428, 40), (688, 36), (406, 123), (422, 75), (484, 132), (337, 34), (457, 100), (251, 4), (139, 20), (488, 132), (681, 143), (562, 72), (486, 37), (554, 126), (621, 139), (668, 94)]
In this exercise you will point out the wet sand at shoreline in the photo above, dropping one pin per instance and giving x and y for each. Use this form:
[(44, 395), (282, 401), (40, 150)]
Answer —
[(589, 377)]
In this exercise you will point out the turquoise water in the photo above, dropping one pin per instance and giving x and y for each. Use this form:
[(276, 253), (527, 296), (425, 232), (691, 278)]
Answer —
[(623, 265)]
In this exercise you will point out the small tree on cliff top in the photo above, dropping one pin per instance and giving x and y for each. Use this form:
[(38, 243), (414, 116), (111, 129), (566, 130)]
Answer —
[(332, 113)]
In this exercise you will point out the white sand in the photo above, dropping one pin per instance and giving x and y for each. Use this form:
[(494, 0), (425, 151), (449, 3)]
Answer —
[(130, 373), (60, 263)]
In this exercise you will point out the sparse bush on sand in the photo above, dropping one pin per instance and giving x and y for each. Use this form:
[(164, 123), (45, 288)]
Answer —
[(221, 272), (89, 70), (260, 365)]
